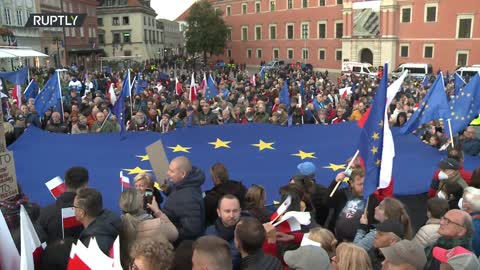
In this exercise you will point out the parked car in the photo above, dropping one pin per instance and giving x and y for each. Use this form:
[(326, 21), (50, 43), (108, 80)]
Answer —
[(415, 70), (276, 64), (468, 72), (359, 69)]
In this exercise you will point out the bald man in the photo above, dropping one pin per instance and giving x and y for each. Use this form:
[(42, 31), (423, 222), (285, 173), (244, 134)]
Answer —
[(184, 203), (456, 229)]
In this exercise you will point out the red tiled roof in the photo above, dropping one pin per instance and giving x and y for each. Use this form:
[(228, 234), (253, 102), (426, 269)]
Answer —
[(184, 15)]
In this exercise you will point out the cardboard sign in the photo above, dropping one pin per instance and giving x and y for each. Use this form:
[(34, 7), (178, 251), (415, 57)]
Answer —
[(158, 161), (8, 178)]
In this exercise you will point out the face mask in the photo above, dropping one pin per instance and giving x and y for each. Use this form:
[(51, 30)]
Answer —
[(442, 195), (460, 202), (348, 172), (442, 175)]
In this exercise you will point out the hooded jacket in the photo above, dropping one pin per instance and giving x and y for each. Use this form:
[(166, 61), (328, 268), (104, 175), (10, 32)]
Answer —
[(105, 228), (184, 206)]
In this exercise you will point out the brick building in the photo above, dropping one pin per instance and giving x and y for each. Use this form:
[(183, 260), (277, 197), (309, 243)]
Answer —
[(327, 32)]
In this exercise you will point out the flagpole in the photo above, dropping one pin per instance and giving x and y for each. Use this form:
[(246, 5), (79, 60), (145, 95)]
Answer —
[(105, 120), (27, 87), (61, 96), (348, 167), (130, 90), (450, 129)]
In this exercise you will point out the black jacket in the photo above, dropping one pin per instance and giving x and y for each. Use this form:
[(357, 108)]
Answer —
[(105, 228), (260, 261), (184, 206), (213, 195), (51, 218)]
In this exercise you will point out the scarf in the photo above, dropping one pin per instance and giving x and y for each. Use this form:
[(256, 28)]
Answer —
[(226, 233)]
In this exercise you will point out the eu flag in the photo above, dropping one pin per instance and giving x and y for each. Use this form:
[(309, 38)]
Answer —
[(50, 95), (31, 91), (458, 83), (426, 80), (119, 111), (126, 86), (302, 88), (16, 77), (370, 144), (211, 89), (466, 105), (262, 73), (140, 86), (260, 154), (434, 107), (284, 95)]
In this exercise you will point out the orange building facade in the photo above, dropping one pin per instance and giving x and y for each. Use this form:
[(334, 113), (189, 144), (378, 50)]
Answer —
[(444, 33)]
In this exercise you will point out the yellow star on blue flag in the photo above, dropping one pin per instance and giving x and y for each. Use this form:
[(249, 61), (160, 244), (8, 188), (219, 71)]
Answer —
[(335, 167), (219, 143), (264, 145), (136, 170), (179, 148), (304, 155)]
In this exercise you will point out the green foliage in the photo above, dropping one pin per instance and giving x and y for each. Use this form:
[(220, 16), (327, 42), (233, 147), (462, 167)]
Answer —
[(207, 32)]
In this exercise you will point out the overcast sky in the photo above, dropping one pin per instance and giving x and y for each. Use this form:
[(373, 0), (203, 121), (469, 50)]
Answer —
[(170, 9)]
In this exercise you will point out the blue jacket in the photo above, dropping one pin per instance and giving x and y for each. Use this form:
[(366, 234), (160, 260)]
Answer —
[(227, 234), (476, 233)]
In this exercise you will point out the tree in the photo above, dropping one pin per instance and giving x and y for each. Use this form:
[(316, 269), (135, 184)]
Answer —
[(207, 32)]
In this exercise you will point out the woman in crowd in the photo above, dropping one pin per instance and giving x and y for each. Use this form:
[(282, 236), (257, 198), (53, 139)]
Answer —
[(143, 181), (255, 203), (151, 253), (350, 257), (137, 224), (326, 239)]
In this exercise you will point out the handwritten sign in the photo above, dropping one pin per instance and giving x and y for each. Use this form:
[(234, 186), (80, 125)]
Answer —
[(8, 178)]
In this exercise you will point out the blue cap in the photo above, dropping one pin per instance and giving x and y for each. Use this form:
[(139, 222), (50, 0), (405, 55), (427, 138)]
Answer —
[(306, 168)]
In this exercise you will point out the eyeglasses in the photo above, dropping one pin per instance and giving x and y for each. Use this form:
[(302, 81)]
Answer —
[(448, 221)]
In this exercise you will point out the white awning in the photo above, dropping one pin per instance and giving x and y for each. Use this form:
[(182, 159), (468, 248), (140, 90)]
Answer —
[(14, 53)]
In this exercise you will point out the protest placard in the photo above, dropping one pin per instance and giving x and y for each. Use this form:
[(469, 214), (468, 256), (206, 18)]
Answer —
[(158, 160)]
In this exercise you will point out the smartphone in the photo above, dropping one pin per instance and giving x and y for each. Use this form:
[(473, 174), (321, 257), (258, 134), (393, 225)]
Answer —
[(147, 198)]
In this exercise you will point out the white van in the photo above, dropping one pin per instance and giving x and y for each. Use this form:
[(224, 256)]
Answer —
[(359, 69), (415, 70), (469, 72)]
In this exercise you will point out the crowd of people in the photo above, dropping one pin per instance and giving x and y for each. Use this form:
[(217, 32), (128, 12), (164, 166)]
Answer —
[(176, 226), (228, 227)]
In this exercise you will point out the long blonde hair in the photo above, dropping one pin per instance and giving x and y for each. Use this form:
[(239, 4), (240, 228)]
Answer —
[(255, 197), (395, 209), (352, 257), (325, 238), (131, 203), (145, 177)]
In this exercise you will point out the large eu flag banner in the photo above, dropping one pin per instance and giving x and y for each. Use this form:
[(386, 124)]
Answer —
[(254, 154)]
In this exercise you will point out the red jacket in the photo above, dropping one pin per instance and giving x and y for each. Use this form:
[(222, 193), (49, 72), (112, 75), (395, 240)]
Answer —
[(466, 175)]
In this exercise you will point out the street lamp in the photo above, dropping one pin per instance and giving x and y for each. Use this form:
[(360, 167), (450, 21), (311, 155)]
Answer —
[(57, 41)]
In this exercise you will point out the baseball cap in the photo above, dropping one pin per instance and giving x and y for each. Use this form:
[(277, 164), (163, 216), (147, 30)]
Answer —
[(307, 257), (393, 226), (306, 168), (448, 163), (405, 252), (458, 257)]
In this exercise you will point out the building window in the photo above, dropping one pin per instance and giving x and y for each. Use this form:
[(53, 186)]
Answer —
[(101, 39), (431, 12), (127, 53), (145, 36), (100, 21), (116, 38), (290, 4), (404, 50), (290, 31), (305, 31), (144, 20), (339, 2), (94, 32), (259, 53), (290, 54), (338, 55), (249, 53), (272, 5), (338, 30), (273, 32), (8, 18), (229, 10), (244, 9), (258, 32), (229, 34), (229, 53), (304, 3), (322, 30), (126, 37), (321, 3), (462, 58), (244, 33), (81, 32), (19, 18), (74, 32), (321, 54), (115, 21), (428, 51), (275, 54), (304, 54), (125, 20), (257, 7), (406, 15), (464, 26)]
